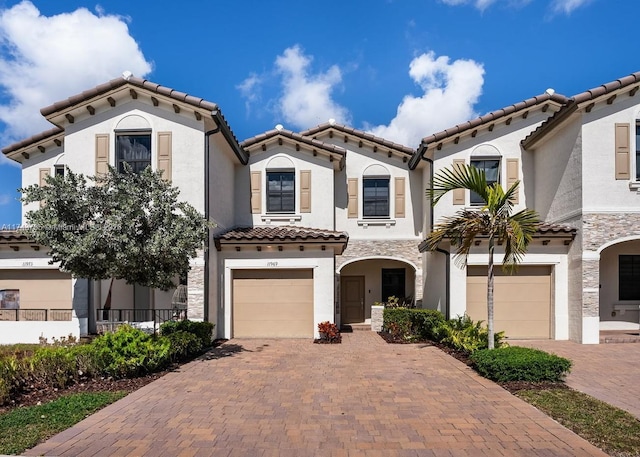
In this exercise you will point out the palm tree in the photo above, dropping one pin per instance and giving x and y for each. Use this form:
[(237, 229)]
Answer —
[(494, 221)]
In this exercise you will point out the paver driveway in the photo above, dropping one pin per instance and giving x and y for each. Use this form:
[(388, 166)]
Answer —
[(609, 372), (292, 397)]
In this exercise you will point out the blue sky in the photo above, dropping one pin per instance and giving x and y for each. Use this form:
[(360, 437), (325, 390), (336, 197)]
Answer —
[(402, 69)]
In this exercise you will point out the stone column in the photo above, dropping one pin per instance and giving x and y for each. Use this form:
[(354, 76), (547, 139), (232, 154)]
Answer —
[(195, 288)]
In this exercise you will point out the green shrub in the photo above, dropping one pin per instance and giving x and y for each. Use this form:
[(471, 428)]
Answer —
[(203, 330), (411, 324), (130, 352), (463, 334), (89, 360), (54, 366), (520, 364), (183, 345)]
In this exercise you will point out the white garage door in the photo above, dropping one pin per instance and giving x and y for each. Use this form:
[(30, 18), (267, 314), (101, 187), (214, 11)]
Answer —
[(273, 303), (522, 301)]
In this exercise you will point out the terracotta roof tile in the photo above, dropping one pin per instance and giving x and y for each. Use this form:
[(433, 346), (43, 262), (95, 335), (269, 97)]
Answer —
[(280, 234), (359, 134), (545, 229), (293, 136), (14, 236), (33, 139)]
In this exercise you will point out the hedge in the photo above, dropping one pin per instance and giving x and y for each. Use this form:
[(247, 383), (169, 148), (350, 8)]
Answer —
[(411, 324), (517, 363)]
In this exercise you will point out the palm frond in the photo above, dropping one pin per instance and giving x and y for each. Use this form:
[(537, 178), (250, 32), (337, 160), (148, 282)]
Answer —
[(458, 177)]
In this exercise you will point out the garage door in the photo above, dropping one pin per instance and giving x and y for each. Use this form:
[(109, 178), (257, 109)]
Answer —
[(273, 303), (522, 301), (39, 289)]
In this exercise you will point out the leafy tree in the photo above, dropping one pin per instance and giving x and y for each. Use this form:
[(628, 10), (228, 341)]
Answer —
[(494, 220), (118, 225)]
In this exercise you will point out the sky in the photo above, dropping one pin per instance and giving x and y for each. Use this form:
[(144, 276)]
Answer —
[(401, 69)]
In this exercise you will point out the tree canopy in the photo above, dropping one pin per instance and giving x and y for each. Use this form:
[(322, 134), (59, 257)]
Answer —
[(494, 220), (118, 225)]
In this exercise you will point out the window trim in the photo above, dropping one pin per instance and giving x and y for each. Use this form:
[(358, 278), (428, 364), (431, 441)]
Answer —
[(485, 159), (364, 199), (59, 170), (267, 191), (636, 168), (132, 132)]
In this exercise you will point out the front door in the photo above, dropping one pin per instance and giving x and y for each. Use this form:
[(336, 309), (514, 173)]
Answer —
[(352, 299)]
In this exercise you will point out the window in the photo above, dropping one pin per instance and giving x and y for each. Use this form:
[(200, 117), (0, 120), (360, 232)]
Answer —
[(281, 190), (638, 151), (629, 277), (491, 168), (393, 283), (134, 149), (58, 170), (375, 196)]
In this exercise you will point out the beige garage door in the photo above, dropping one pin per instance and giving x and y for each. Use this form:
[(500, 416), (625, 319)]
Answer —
[(522, 301), (39, 289), (273, 303)]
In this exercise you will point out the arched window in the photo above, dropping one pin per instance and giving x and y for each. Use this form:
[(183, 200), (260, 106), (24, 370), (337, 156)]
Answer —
[(133, 143), (486, 158), (281, 186)]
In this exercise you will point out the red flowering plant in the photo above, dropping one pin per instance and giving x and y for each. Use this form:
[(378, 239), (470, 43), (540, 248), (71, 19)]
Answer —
[(329, 333)]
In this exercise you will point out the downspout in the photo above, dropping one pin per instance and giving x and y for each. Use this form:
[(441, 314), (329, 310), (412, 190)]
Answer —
[(446, 253), (207, 177)]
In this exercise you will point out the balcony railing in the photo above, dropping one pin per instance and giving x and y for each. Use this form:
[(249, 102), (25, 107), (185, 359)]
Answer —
[(36, 314)]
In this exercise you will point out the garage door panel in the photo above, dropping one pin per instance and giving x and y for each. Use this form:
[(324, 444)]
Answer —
[(273, 304), (522, 302), (39, 289)]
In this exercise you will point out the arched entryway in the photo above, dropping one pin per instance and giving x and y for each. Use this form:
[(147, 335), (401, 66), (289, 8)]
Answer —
[(363, 282), (619, 287)]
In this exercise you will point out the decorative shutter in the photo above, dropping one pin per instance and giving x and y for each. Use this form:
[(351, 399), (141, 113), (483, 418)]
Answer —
[(400, 197), (305, 191), (256, 192), (44, 172), (623, 135), (164, 154), (512, 176), (102, 153), (352, 190), (459, 196)]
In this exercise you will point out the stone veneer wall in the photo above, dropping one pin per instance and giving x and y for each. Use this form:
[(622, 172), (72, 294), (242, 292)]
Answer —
[(195, 287), (397, 249), (575, 278), (599, 229)]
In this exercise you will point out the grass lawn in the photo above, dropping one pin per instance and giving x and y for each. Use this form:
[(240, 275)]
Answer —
[(611, 429), (23, 428)]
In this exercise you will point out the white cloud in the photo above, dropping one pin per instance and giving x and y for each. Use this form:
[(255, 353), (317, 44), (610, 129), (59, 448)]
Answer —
[(6, 199), (307, 98), (450, 90), (44, 59), (567, 6), (556, 6), (250, 89)]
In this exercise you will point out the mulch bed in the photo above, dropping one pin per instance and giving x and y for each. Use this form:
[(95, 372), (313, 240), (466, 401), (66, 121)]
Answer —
[(511, 386)]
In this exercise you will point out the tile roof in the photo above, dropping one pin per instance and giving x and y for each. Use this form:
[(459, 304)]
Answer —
[(484, 120), (293, 136), (33, 139), (14, 236), (280, 234), (545, 230), (359, 134), (573, 104), (134, 81)]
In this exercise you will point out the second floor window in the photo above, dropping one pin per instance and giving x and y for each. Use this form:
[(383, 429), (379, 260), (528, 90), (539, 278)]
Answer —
[(491, 168), (281, 190), (134, 149), (638, 151), (375, 194)]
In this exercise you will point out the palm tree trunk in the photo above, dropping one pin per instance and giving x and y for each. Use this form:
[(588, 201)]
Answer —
[(490, 295)]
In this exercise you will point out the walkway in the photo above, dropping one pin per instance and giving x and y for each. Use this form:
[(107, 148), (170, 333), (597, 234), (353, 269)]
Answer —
[(295, 398), (609, 372)]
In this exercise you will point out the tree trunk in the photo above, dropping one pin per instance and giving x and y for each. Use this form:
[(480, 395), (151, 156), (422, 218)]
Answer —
[(490, 295)]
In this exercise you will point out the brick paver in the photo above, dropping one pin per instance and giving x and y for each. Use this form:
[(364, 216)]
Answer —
[(609, 372), (295, 398)]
